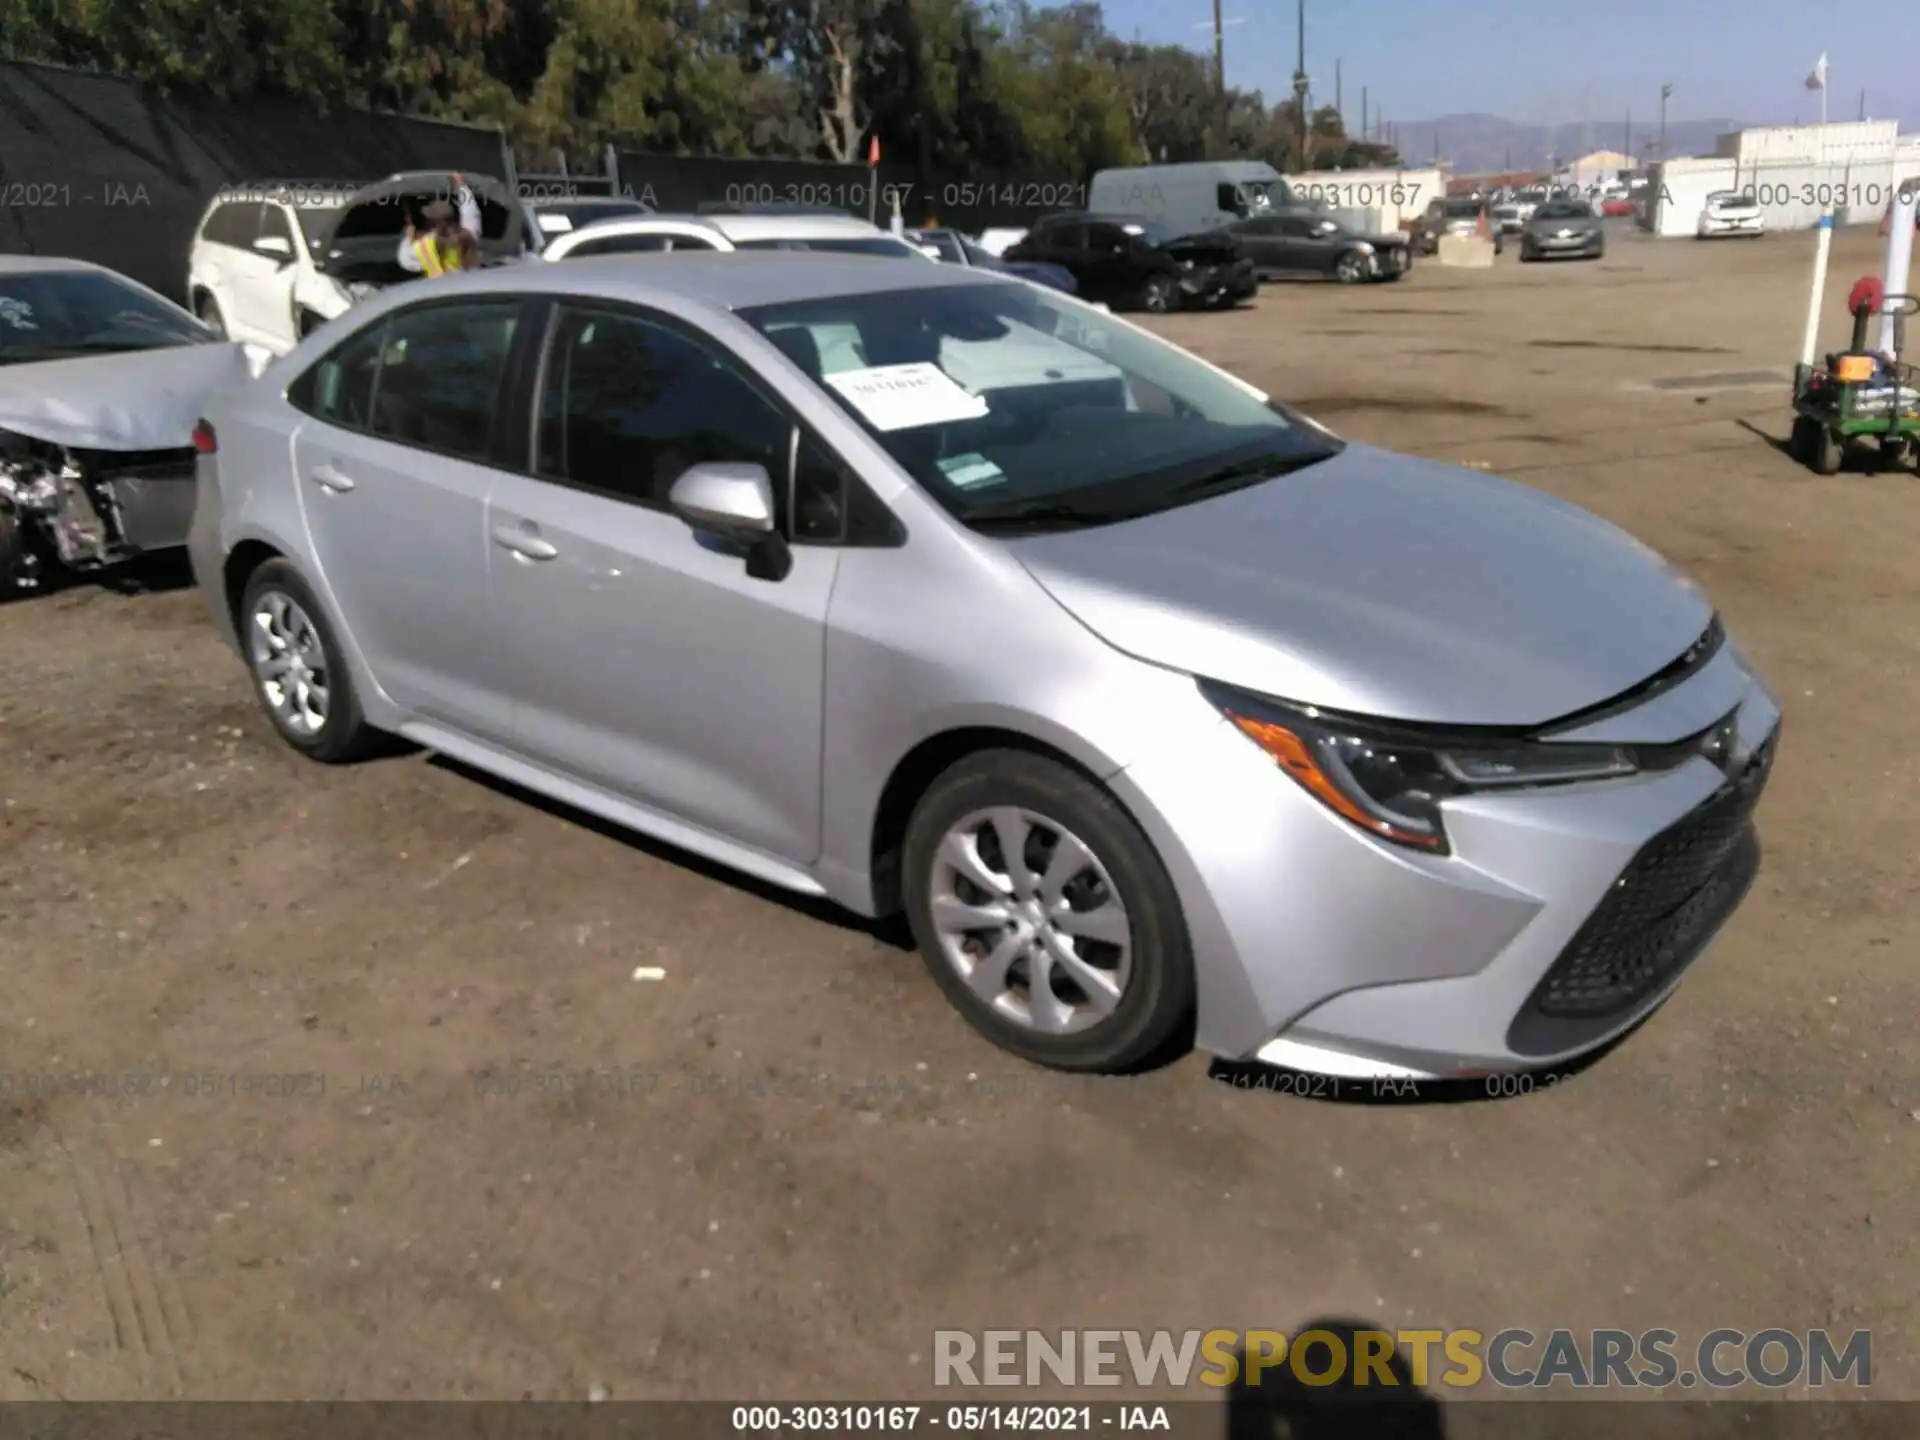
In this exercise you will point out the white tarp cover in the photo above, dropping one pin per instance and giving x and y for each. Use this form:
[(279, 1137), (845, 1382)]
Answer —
[(141, 400)]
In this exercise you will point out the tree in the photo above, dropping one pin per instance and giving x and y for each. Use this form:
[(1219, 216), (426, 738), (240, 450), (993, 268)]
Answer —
[(835, 50)]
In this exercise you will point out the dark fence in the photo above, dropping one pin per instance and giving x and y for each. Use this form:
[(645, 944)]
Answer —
[(94, 167), (678, 183)]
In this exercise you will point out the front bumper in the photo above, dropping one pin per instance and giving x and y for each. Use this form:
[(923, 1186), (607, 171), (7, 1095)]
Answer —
[(1754, 226), (1321, 949), (1206, 283), (1545, 245)]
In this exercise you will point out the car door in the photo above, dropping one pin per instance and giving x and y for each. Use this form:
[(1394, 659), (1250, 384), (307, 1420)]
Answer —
[(1260, 241), (648, 662), (1307, 249), (266, 300), (248, 277), (394, 470), (1109, 258)]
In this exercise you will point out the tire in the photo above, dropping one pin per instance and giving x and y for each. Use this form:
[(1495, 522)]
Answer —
[(277, 593), (1151, 966), (1159, 294), (1803, 439), (208, 309), (1348, 270), (1826, 451)]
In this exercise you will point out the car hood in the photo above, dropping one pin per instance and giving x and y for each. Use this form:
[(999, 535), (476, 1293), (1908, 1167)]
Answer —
[(1212, 246), (1383, 585), (1554, 226), (140, 400)]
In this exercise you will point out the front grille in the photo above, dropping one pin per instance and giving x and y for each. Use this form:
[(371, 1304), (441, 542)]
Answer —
[(1659, 915)]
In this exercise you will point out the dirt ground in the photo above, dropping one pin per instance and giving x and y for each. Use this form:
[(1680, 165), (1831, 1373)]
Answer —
[(792, 1161)]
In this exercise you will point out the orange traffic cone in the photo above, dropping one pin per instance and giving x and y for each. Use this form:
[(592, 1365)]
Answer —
[(1481, 228)]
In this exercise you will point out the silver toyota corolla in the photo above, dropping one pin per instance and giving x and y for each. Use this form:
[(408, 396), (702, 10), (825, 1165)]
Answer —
[(1157, 708)]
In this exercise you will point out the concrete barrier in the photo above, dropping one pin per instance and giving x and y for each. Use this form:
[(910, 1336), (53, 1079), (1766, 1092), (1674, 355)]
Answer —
[(1473, 252)]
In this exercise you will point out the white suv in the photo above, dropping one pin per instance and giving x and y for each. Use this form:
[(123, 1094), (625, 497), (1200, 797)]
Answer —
[(810, 230), (273, 260)]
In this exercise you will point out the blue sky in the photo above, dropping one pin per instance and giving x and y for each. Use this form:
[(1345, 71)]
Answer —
[(1542, 61)]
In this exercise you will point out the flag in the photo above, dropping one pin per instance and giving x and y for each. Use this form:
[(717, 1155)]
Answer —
[(1818, 79), (873, 146)]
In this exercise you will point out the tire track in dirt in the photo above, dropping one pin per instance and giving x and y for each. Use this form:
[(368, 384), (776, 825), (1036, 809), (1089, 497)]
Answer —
[(128, 1253)]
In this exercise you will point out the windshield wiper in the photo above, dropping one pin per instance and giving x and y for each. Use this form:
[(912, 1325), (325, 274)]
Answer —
[(1042, 512), (1245, 472)]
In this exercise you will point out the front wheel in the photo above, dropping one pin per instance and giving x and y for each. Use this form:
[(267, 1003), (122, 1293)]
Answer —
[(1349, 270), (1159, 294), (298, 670), (209, 312), (1045, 915), (1825, 452)]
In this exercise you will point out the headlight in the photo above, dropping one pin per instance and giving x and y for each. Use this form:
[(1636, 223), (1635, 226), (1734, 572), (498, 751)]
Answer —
[(1364, 249), (1391, 780)]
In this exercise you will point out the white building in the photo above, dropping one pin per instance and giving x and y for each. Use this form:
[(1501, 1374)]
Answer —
[(1794, 171)]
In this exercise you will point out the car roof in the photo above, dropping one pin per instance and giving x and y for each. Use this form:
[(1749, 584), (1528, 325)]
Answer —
[(49, 264), (721, 282), (541, 202)]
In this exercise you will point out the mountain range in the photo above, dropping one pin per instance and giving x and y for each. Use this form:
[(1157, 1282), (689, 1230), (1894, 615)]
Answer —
[(1476, 143)]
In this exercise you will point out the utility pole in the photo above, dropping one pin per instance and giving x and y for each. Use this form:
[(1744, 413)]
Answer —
[(1627, 149), (1300, 83), (1219, 51), (1863, 104), (1363, 112), (1666, 93), (1339, 107)]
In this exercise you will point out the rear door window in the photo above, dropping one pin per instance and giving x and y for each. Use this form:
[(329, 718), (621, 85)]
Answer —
[(441, 365)]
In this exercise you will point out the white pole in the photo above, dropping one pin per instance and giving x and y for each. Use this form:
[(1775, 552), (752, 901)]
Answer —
[(1899, 257), (1823, 246)]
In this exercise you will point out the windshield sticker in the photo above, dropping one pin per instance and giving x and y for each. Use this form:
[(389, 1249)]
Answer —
[(970, 472), (17, 313), (905, 397)]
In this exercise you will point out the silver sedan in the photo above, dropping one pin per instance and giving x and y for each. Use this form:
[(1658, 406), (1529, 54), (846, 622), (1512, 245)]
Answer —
[(1161, 711)]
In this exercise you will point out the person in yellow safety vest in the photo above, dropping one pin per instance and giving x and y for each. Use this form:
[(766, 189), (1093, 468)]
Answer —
[(446, 246)]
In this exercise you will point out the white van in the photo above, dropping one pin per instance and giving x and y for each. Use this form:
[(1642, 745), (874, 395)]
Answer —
[(1191, 199)]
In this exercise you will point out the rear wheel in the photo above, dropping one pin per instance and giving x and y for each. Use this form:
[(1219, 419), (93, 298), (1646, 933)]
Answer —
[(1159, 294), (298, 670), (1826, 451), (1045, 916)]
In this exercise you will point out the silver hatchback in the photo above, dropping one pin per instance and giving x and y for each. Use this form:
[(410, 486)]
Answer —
[(1162, 713)]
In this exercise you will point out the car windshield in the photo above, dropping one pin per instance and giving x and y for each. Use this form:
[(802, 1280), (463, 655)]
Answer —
[(56, 315), (1016, 409), (1563, 210), (845, 245), (1729, 197), (1462, 209)]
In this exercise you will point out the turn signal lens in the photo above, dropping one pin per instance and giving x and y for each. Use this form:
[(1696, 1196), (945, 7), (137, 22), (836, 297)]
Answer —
[(203, 439), (1297, 757)]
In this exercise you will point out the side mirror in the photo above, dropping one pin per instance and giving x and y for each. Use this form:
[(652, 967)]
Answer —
[(732, 502), (274, 247)]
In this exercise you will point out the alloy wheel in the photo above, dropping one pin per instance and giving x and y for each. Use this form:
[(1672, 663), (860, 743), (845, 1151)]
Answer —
[(1030, 919), (289, 661)]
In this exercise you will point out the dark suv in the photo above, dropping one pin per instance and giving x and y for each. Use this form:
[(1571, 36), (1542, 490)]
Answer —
[(1130, 262)]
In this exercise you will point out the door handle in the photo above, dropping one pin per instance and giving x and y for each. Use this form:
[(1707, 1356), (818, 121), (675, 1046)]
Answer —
[(330, 478), (523, 543)]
